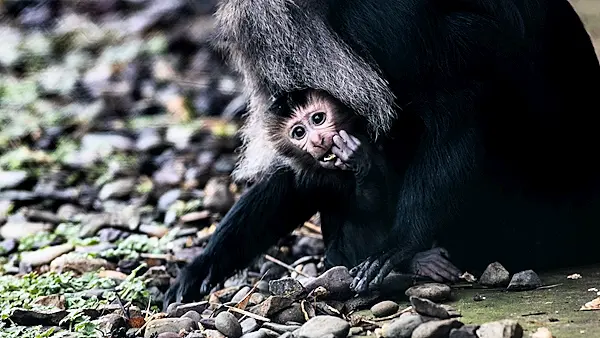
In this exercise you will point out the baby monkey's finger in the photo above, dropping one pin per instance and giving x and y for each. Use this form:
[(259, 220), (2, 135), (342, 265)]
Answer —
[(342, 153), (351, 141)]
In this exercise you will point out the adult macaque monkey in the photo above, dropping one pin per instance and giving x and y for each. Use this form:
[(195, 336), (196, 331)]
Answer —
[(482, 108)]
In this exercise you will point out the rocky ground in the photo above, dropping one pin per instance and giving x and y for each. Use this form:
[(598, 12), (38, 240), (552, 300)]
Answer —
[(118, 136)]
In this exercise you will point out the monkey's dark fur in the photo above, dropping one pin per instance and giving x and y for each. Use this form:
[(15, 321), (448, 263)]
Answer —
[(484, 107)]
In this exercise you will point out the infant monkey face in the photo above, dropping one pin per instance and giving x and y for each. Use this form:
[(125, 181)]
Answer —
[(313, 133)]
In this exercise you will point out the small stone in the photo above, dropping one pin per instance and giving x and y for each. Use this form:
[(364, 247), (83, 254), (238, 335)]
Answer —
[(213, 334), (495, 275), (193, 315), (79, 263), (435, 292), (402, 327), (8, 246), (280, 328), (324, 327), (249, 325), (12, 179), (257, 334), (110, 322), (158, 326), (218, 197), (177, 310), (292, 314), (542, 332), (45, 255), (286, 287), (20, 229), (271, 305), (257, 298), (385, 308), (500, 329), (117, 189), (436, 328), (241, 294), (335, 280), (466, 331), (228, 325), (524, 280), (362, 302), (428, 308), (269, 333), (208, 323), (168, 335)]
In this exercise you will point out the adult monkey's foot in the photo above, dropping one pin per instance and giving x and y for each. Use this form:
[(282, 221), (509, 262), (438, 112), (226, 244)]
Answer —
[(433, 263), (436, 265)]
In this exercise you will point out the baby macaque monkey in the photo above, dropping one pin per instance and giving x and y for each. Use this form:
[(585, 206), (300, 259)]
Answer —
[(320, 135)]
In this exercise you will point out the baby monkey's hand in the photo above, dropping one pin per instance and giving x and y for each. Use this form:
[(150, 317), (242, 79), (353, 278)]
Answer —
[(350, 152)]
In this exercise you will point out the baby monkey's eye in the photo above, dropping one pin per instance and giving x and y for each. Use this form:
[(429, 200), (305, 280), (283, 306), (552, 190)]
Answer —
[(318, 118), (298, 132)]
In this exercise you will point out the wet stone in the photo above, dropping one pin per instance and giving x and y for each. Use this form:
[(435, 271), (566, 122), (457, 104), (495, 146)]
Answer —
[(429, 308), (280, 328), (228, 325), (286, 287), (436, 328), (385, 308), (162, 325), (177, 310), (193, 315), (500, 329), (402, 327), (249, 325), (324, 326), (239, 296), (467, 331), (524, 280), (435, 292), (495, 275)]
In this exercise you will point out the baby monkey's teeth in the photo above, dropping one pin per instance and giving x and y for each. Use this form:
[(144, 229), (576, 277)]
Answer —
[(329, 157)]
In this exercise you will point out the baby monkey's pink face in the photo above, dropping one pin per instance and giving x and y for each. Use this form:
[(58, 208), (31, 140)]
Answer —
[(312, 129)]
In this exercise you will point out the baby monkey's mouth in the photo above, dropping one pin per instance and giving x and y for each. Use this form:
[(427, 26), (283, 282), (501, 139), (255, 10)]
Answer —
[(328, 156)]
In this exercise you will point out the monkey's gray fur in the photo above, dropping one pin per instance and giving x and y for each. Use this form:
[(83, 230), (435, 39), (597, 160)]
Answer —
[(284, 45)]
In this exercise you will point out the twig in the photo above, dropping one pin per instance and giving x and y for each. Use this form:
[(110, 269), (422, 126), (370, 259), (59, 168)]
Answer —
[(312, 227), (289, 267), (246, 313)]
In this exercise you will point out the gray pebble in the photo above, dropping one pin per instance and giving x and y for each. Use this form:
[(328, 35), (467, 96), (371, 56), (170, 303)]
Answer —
[(240, 294), (435, 292), (287, 287), (280, 328), (402, 327), (158, 326), (249, 325), (436, 328), (324, 327), (495, 275), (524, 280), (385, 308), (193, 315), (500, 329), (228, 325), (428, 308), (257, 334)]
